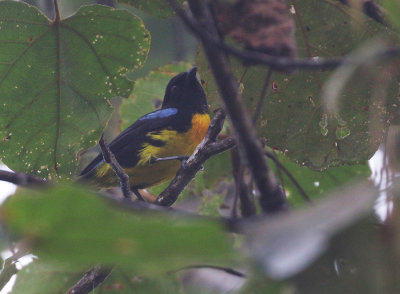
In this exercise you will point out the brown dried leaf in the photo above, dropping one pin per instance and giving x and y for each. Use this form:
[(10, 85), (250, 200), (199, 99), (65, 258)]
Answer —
[(262, 25)]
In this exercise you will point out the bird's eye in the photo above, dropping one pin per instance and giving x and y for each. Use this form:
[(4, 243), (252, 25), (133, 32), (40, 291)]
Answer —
[(173, 89)]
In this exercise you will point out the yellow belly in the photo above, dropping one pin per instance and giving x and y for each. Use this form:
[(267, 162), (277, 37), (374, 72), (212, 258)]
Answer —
[(145, 174)]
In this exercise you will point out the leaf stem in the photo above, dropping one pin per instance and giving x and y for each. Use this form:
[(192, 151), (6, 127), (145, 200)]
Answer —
[(57, 18)]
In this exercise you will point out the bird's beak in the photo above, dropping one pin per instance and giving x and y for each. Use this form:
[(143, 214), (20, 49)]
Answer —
[(191, 76)]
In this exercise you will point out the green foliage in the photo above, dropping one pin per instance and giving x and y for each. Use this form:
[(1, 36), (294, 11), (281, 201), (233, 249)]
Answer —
[(293, 118), (392, 9), (42, 278), (71, 225), (56, 79)]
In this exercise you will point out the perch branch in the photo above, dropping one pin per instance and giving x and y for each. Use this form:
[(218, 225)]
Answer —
[(207, 148)]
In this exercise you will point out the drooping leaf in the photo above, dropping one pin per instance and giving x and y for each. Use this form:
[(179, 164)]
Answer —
[(71, 225), (157, 8), (56, 79), (285, 244), (292, 118)]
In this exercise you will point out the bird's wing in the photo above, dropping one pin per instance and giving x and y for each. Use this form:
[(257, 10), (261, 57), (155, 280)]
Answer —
[(127, 144)]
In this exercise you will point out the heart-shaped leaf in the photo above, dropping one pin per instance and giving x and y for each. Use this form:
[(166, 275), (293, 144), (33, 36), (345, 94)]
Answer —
[(56, 78)]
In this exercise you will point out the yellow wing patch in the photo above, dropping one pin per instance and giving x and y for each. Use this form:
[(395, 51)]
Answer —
[(145, 174), (177, 143)]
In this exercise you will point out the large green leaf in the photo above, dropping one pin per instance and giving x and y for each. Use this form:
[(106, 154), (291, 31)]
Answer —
[(56, 79), (72, 225), (157, 8), (293, 119)]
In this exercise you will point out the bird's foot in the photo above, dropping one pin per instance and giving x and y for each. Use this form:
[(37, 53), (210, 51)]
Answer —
[(182, 158)]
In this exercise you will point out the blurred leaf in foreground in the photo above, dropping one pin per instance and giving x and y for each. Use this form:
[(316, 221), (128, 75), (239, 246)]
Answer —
[(285, 244), (72, 225)]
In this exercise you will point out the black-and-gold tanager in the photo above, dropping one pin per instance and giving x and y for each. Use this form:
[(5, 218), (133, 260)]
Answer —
[(174, 130)]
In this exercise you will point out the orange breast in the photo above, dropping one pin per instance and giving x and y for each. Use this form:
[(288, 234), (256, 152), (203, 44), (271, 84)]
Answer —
[(200, 124)]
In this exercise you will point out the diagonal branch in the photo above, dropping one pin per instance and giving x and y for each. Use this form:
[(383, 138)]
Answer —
[(272, 199), (112, 161), (207, 148)]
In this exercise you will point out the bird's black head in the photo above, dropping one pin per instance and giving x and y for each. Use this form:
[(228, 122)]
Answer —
[(185, 92)]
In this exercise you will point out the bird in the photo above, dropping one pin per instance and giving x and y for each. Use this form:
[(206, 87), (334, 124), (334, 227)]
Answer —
[(151, 150)]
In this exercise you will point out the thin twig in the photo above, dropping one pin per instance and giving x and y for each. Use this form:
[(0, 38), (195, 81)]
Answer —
[(276, 62), (290, 176), (262, 96), (120, 173), (93, 278), (247, 206), (57, 18), (207, 148), (227, 270)]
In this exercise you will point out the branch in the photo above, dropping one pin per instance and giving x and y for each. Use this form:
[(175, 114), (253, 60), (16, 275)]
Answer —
[(207, 148), (22, 179), (112, 161), (93, 278), (272, 198), (276, 62)]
